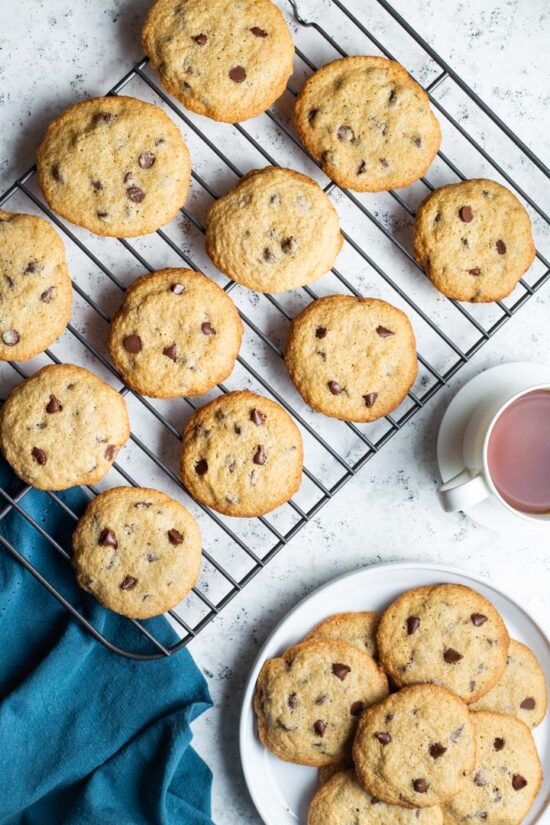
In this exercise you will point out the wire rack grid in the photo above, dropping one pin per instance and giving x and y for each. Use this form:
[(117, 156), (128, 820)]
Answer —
[(376, 260)]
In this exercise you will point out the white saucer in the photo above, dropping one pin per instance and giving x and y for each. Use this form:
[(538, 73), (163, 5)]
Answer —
[(281, 791), (491, 512)]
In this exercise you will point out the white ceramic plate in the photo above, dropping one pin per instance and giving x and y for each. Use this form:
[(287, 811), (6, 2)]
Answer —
[(281, 791)]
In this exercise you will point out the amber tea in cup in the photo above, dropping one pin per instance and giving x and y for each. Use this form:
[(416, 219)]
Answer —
[(518, 453)]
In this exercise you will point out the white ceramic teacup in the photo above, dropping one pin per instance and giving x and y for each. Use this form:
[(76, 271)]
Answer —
[(474, 484)]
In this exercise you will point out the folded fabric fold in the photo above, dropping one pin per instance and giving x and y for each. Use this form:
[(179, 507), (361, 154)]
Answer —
[(87, 737)]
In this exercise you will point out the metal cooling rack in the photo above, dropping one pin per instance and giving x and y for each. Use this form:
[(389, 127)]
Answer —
[(376, 260)]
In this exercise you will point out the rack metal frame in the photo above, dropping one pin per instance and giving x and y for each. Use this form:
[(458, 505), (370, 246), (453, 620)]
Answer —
[(370, 447)]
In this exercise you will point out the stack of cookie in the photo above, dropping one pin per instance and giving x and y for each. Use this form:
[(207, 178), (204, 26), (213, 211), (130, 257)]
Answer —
[(421, 715)]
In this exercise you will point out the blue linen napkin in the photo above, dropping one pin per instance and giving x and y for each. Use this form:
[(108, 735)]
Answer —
[(87, 737)]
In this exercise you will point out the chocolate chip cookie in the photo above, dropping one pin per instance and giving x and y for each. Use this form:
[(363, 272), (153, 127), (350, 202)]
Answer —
[(137, 551), (415, 748), (222, 59), (368, 123), (35, 288), (521, 691), (446, 634), (357, 629), (242, 454), (307, 702), (342, 801), (176, 333), (62, 426), (506, 777), (275, 230), (352, 358), (474, 240), (115, 165)]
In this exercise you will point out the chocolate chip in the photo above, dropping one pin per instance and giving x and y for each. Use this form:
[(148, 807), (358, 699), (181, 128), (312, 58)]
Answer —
[(417, 141), (383, 332), (259, 456), (465, 242), (128, 176), (311, 115), (340, 671), (465, 214), (475, 271), (39, 455), (257, 417), (361, 168), (356, 708), (47, 295), (321, 700), (370, 398), (237, 74), (142, 505), (53, 405), (31, 267), (132, 343), (107, 538), (383, 737), (135, 194), (320, 727), (175, 537), (268, 255), (499, 743), (528, 703), (102, 215), (452, 656), (97, 185), (11, 337), (201, 467), (478, 619), (334, 387), (207, 329), (110, 452), (479, 781), (257, 32), (413, 623), (437, 750), (105, 117), (236, 429), (146, 160), (345, 134), (420, 785), (201, 39), (170, 352), (472, 686), (128, 582), (320, 332), (275, 200), (292, 701), (391, 97), (177, 289), (518, 782), (501, 247), (289, 245), (56, 173), (384, 162)]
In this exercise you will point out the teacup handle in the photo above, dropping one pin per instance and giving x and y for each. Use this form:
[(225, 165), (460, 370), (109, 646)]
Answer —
[(463, 491)]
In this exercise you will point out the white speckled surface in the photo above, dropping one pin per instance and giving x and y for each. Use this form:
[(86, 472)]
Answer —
[(52, 53)]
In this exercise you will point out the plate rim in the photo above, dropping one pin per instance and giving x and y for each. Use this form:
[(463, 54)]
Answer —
[(247, 695)]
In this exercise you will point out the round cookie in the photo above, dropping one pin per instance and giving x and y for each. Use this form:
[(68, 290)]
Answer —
[(416, 747), (176, 333), (222, 59), (446, 634), (352, 358), (521, 691), (357, 629), (35, 288), (115, 165), (242, 454), (308, 700), (137, 551), (473, 240), (274, 231), (368, 123), (61, 427), (342, 801), (506, 777)]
